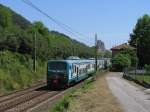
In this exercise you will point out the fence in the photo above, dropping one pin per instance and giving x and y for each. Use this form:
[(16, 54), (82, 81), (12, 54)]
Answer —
[(139, 76)]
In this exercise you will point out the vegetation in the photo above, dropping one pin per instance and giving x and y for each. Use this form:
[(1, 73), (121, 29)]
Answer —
[(16, 71), (64, 103), (17, 41), (120, 61), (147, 68), (108, 54), (140, 38), (126, 58), (142, 76), (93, 96), (50, 44), (72, 94), (132, 55), (147, 74)]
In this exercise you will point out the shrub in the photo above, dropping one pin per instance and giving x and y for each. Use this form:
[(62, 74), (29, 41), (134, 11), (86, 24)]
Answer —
[(16, 71), (147, 68), (121, 61), (132, 54)]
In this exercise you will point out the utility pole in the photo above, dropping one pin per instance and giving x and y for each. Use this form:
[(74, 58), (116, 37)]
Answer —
[(72, 48), (136, 65), (34, 57), (96, 52)]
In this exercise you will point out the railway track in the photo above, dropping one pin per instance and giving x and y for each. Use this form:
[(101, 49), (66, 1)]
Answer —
[(24, 100), (9, 101), (21, 92), (27, 104)]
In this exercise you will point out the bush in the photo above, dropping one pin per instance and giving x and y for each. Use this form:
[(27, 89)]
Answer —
[(121, 61), (17, 74), (132, 54), (147, 68)]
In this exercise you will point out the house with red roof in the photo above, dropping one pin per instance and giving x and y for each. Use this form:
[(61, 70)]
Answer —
[(115, 50)]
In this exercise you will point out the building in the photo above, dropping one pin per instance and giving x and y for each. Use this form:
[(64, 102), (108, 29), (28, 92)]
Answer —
[(100, 46), (115, 50)]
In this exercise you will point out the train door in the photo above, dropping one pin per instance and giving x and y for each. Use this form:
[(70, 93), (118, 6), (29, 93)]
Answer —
[(74, 71)]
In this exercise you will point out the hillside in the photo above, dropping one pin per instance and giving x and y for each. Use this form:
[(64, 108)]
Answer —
[(15, 25), (17, 50), (17, 19)]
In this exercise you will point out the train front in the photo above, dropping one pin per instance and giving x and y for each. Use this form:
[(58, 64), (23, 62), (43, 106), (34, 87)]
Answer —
[(57, 74)]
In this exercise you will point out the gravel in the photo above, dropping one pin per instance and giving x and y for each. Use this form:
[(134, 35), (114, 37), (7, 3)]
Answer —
[(130, 97)]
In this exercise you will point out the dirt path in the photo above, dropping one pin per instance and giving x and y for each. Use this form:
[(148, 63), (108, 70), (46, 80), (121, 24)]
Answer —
[(131, 98), (98, 98)]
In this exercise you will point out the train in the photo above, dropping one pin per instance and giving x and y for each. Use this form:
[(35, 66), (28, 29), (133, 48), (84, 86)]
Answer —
[(64, 73)]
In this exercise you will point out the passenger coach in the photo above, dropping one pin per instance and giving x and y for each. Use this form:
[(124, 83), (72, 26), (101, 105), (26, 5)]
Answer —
[(63, 73)]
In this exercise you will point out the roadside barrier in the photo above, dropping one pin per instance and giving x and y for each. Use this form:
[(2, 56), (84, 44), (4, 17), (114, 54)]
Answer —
[(138, 76)]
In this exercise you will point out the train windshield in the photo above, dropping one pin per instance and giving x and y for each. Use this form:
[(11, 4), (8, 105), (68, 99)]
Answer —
[(57, 66)]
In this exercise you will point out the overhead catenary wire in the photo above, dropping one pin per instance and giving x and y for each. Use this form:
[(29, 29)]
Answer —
[(60, 24)]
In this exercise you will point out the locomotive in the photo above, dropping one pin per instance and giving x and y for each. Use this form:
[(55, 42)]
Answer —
[(63, 73)]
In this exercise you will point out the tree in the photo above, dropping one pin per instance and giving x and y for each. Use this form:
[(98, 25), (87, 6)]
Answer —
[(108, 54), (132, 55), (120, 61), (5, 17), (147, 68), (17, 35), (140, 38)]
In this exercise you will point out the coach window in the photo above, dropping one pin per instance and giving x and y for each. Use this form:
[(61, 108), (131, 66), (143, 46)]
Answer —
[(80, 71)]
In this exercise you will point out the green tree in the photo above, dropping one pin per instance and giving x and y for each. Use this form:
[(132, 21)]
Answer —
[(120, 61), (132, 55), (108, 54), (147, 68), (5, 17), (140, 38), (17, 48)]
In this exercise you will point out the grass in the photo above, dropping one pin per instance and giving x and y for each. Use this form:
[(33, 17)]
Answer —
[(16, 72), (98, 98), (64, 103), (72, 94), (145, 78), (141, 77)]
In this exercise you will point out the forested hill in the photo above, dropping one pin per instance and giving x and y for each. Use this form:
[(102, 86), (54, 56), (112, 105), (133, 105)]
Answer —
[(16, 34), (17, 49), (17, 19)]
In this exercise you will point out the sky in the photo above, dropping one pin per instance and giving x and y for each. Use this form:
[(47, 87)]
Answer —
[(111, 20)]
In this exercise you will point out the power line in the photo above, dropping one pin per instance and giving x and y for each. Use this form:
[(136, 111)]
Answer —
[(60, 24)]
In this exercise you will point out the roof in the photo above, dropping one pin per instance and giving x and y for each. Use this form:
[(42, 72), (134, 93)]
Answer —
[(73, 58), (72, 61), (122, 46), (77, 61)]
